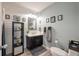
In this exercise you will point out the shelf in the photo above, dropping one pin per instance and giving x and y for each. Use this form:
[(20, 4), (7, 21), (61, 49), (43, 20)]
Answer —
[(20, 44), (17, 30), (17, 38)]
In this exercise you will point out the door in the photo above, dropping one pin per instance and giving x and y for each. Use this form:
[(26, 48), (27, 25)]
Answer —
[(3, 41), (2, 33), (0, 37), (0, 29)]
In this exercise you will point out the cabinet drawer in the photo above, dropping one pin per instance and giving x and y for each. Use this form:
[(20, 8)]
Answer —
[(33, 42)]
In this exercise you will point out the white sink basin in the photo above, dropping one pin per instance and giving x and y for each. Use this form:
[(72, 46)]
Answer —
[(35, 33)]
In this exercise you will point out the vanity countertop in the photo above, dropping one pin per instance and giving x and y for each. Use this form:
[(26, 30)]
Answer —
[(33, 34)]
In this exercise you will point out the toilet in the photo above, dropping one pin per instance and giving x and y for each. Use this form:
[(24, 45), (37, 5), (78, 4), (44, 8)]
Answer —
[(57, 52)]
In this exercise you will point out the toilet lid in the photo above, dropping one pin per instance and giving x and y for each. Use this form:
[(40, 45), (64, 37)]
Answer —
[(58, 51)]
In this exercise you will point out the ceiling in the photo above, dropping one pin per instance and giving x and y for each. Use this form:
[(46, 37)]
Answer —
[(35, 6)]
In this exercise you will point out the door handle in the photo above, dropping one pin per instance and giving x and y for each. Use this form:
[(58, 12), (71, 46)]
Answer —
[(0, 47), (3, 47)]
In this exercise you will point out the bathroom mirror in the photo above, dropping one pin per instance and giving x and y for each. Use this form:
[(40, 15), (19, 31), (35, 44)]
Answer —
[(32, 24)]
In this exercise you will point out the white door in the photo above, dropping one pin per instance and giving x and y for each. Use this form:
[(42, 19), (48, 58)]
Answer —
[(0, 28)]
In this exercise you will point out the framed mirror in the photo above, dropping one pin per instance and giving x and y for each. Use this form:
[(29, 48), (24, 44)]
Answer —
[(32, 24)]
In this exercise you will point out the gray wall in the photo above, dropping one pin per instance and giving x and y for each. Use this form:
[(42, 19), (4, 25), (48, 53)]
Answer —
[(67, 28), (77, 16)]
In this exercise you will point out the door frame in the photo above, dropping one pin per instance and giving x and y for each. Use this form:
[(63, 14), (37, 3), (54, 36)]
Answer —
[(3, 40)]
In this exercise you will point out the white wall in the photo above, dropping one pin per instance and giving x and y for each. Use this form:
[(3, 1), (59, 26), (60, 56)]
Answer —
[(0, 26), (67, 28), (14, 9), (8, 36)]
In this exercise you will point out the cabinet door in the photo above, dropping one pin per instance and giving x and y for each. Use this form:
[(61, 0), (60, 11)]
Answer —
[(38, 41), (73, 53), (33, 42), (30, 43), (18, 38)]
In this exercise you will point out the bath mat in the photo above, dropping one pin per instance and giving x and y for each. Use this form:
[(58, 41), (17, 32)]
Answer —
[(38, 51)]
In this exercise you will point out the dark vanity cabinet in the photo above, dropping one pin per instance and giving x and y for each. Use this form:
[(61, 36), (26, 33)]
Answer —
[(34, 41)]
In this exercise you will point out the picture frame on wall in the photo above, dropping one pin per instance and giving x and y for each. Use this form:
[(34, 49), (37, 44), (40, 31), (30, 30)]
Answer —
[(60, 17), (16, 18), (53, 19), (7, 16), (23, 19), (47, 20)]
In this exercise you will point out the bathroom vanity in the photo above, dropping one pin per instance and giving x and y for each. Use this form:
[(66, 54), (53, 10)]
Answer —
[(34, 40)]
